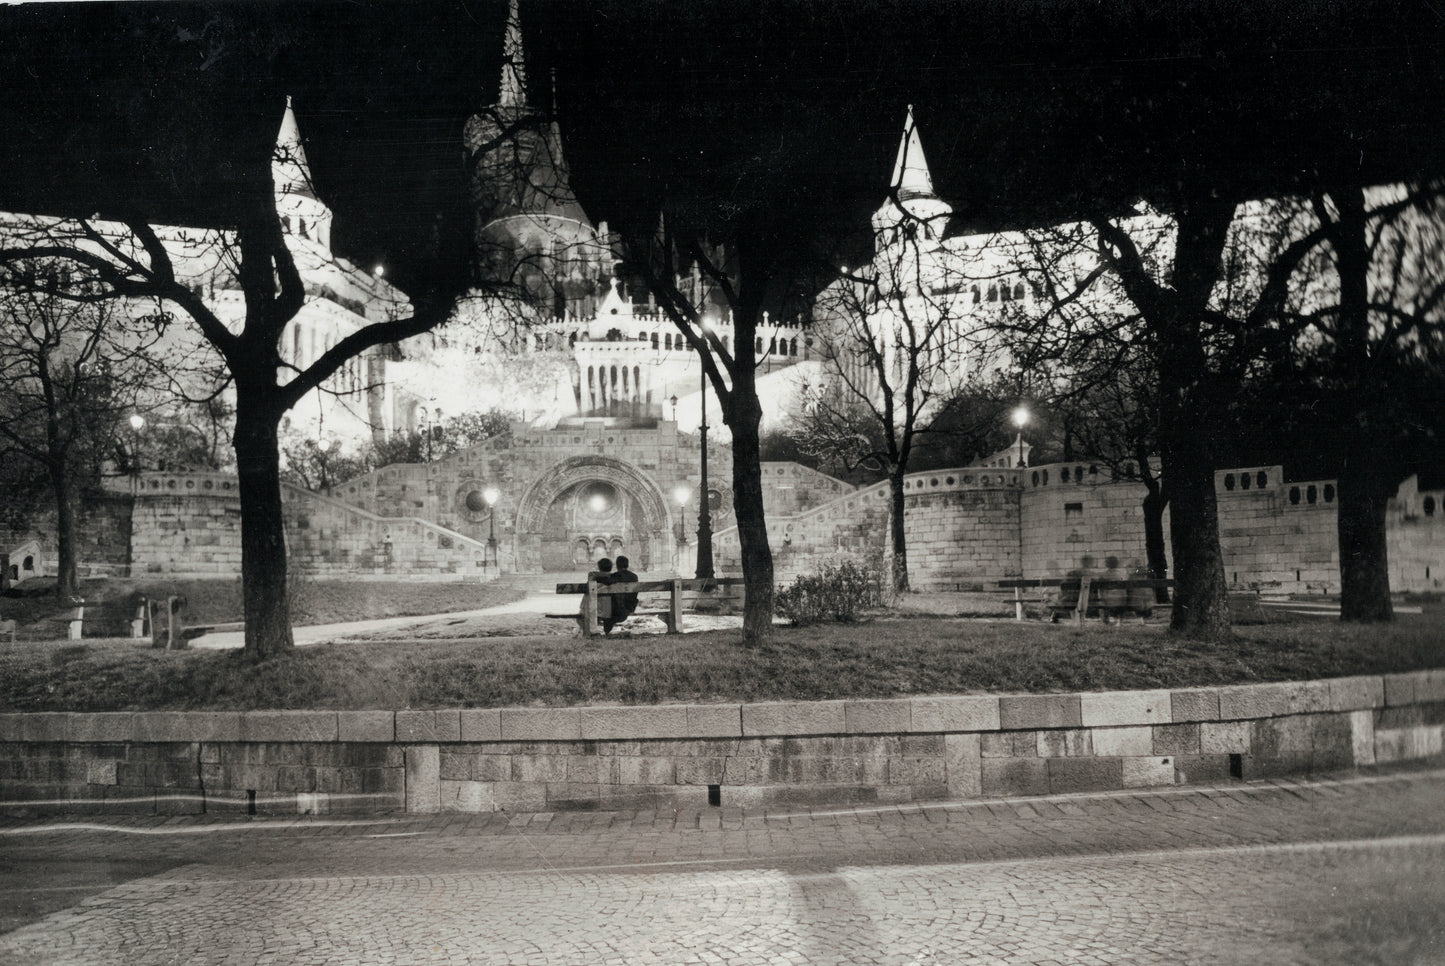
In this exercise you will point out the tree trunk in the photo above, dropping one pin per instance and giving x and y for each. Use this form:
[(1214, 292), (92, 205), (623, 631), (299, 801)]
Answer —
[(263, 531), (1158, 561), (67, 584), (1364, 555), (900, 537), (744, 416), (1364, 489), (1201, 597), (1190, 413)]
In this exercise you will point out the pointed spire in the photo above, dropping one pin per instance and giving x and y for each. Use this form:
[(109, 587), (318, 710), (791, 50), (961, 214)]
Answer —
[(302, 212), (290, 169), (513, 91), (911, 177), (910, 191)]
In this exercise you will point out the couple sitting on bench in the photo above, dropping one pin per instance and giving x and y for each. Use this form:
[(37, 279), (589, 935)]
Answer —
[(613, 609)]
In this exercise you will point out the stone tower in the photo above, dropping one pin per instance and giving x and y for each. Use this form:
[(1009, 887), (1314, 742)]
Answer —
[(529, 227)]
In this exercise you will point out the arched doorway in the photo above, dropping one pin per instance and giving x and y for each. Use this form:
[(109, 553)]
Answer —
[(592, 506)]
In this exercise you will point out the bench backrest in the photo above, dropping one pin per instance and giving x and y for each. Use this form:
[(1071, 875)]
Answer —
[(652, 586)]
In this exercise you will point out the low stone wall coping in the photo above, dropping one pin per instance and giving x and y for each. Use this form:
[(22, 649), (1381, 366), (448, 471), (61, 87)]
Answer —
[(918, 715)]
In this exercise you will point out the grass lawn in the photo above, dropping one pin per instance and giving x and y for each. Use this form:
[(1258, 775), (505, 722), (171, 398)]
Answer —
[(315, 601), (886, 657)]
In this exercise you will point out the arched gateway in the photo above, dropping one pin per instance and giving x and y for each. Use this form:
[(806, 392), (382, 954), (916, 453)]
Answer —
[(589, 506)]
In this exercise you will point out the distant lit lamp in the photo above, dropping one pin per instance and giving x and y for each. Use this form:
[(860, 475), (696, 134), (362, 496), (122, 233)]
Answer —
[(379, 270), (681, 494), (490, 494), (1020, 419), (137, 423)]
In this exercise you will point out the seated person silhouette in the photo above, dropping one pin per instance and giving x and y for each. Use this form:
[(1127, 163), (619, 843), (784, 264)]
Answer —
[(603, 575), (623, 605)]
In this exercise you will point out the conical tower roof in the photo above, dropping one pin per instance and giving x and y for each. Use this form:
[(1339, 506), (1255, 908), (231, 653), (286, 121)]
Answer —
[(911, 177), (512, 92), (911, 187), (289, 168), (302, 212)]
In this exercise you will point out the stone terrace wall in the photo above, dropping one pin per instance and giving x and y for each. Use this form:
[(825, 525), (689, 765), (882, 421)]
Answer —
[(1278, 536), (191, 524), (1416, 525), (102, 533), (529, 759), (969, 526), (186, 523), (962, 527), (1069, 511)]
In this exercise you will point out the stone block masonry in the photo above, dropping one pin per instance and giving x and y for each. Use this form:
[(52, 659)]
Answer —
[(674, 756)]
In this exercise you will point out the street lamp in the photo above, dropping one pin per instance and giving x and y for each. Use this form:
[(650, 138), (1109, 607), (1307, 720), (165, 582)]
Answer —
[(490, 494), (1020, 419), (137, 423), (681, 494), (704, 507)]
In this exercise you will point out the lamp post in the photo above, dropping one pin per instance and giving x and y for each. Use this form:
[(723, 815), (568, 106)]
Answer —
[(681, 494), (322, 448), (1020, 417), (490, 494), (425, 415), (137, 423), (704, 507)]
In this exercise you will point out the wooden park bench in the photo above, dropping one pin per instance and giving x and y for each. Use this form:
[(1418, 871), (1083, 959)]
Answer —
[(73, 617), (126, 617), (695, 596), (1086, 596), (170, 628), (1080, 596)]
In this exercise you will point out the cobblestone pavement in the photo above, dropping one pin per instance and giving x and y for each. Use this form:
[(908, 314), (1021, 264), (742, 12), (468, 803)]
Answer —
[(1335, 871)]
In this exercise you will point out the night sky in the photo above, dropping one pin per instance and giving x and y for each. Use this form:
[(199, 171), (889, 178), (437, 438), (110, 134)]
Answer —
[(723, 110)]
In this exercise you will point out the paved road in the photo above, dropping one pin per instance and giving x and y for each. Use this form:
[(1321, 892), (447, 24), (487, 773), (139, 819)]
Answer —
[(1339, 871)]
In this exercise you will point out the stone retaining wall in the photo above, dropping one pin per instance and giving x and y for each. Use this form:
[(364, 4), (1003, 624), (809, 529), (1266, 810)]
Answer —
[(533, 759)]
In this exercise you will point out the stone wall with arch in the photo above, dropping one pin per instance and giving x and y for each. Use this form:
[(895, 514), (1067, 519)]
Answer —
[(531, 530)]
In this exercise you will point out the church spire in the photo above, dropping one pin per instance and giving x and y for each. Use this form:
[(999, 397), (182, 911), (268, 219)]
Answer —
[(513, 90), (302, 212), (910, 191), (911, 177), (289, 167)]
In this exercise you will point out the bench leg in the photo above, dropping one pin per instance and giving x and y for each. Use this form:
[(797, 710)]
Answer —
[(75, 629), (1018, 603)]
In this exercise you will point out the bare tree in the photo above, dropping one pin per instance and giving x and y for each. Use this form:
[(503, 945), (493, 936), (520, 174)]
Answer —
[(1212, 293), (128, 258), (901, 343), (1372, 352), (69, 371), (730, 369)]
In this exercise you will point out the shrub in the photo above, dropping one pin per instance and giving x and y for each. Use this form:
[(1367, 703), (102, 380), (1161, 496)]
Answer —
[(838, 592)]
